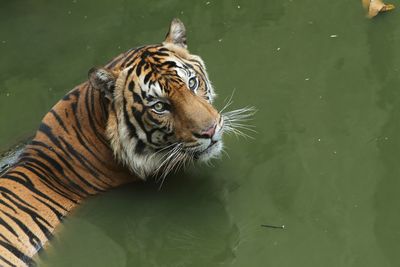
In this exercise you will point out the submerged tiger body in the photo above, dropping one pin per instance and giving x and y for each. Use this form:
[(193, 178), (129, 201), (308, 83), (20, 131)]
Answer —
[(144, 113)]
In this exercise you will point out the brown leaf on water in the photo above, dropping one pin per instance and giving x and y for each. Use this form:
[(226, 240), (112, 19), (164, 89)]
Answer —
[(374, 7)]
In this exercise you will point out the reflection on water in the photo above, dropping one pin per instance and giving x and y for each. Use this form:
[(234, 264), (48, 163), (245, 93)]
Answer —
[(323, 162), (184, 224)]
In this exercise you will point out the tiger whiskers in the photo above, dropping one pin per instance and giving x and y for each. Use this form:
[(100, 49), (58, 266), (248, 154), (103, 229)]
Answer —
[(228, 101), (167, 158), (223, 150), (235, 121), (173, 160)]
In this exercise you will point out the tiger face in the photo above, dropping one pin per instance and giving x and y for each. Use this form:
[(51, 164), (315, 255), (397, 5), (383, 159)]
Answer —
[(160, 107)]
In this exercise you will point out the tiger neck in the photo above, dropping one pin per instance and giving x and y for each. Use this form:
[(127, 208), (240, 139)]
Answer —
[(74, 133), (68, 160)]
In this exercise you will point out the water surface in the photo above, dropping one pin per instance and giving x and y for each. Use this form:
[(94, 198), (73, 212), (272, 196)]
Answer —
[(324, 162)]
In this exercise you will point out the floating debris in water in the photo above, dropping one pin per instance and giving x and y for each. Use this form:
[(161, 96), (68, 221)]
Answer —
[(3, 167), (334, 36), (207, 3), (278, 49), (374, 7), (307, 79), (8, 158), (273, 226), (220, 40), (238, 6)]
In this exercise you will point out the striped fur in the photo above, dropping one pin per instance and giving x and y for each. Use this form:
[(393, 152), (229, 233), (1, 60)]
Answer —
[(106, 132)]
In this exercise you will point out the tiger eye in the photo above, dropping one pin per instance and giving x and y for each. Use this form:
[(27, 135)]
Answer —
[(192, 83), (159, 107)]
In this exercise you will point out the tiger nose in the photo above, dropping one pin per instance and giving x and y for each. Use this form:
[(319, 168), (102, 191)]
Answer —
[(209, 132)]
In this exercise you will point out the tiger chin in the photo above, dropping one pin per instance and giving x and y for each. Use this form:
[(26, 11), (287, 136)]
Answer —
[(161, 114), (147, 112)]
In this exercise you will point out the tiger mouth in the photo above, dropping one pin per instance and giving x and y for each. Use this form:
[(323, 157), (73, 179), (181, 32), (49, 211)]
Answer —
[(208, 149)]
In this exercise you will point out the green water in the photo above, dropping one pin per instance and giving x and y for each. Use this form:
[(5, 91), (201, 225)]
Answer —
[(324, 163)]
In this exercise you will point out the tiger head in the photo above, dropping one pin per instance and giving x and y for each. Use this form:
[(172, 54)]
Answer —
[(160, 107)]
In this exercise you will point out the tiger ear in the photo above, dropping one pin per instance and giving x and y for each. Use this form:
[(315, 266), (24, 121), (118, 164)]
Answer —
[(103, 80), (176, 34)]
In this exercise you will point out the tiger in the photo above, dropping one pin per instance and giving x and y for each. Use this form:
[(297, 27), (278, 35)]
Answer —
[(143, 114)]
